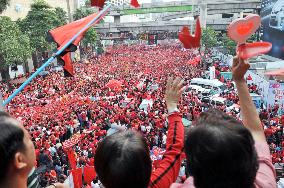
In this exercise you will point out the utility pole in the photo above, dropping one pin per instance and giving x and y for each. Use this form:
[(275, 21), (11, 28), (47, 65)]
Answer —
[(69, 11)]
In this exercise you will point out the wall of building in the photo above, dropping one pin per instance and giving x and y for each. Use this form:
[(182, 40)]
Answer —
[(20, 8)]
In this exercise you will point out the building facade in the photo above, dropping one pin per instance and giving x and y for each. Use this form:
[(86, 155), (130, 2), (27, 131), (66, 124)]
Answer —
[(20, 8)]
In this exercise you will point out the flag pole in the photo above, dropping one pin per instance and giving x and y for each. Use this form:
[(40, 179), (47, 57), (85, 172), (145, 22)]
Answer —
[(100, 14)]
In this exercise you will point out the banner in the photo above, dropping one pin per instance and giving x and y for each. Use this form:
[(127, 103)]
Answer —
[(89, 174), (152, 39), (183, 8), (275, 94), (212, 73), (272, 18), (227, 75)]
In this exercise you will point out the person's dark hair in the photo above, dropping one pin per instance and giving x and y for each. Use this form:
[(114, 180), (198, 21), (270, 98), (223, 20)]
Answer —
[(11, 141), (123, 160), (221, 152)]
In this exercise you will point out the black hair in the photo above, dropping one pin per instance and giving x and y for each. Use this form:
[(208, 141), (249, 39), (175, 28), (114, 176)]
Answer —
[(221, 152), (11, 141), (123, 160)]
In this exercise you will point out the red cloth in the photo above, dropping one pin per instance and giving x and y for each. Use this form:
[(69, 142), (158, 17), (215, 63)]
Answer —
[(135, 3), (71, 157), (89, 174), (68, 63), (97, 3), (187, 39), (249, 77), (169, 166), (77, 177)]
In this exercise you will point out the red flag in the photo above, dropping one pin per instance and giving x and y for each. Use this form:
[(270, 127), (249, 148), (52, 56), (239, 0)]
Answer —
[(67, 62), (77, 177), (71, 157), (188, 40), (114, 85), (63, 34), (135, 3), (98, 3), (89, 174)]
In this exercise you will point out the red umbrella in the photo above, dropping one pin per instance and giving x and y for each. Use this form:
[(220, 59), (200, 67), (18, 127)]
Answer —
[(114, 85)]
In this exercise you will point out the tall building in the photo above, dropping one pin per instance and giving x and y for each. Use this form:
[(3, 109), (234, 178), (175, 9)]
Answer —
[(20, 8)]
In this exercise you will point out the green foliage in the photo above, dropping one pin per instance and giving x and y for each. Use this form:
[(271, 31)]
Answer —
[(209, 38), (87, 3), (40, 19), (61, 15), (3, 5), (90, 37), (83, 12), (229, 45), (14, 46), (253, 38)]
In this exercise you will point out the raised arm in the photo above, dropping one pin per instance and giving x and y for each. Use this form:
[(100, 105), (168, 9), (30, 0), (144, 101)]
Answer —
[(249, 114), (169, 167)]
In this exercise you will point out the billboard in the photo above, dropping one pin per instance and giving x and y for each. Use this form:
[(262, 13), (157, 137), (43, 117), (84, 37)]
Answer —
[(142, 10), (272, 18), (275, 94)]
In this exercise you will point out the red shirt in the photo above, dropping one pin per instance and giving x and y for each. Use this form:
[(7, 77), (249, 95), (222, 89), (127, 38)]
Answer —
[(169, 166)]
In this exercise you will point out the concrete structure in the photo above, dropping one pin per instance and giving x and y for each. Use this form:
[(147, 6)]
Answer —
[(20, 8), (210, 12), (176, 25), (214, 8)]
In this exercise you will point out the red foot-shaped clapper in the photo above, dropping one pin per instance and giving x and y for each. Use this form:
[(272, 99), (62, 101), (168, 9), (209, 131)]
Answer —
[(243, 28), (250, 50), (187, 39)]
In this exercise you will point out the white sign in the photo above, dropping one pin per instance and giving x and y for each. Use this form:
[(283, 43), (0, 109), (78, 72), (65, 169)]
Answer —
[(275, 94), (212, 73)]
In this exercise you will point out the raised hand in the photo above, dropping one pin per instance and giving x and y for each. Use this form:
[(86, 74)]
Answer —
[(173, 92), (239, 69)]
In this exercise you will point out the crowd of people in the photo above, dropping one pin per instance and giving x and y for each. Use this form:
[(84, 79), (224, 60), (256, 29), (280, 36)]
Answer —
[(53, 108)]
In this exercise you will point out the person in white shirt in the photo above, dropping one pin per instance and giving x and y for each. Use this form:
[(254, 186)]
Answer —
[(143, 128)]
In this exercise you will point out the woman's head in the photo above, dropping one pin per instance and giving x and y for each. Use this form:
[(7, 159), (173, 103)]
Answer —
[(17, 151), (220, 152), (123, 160)]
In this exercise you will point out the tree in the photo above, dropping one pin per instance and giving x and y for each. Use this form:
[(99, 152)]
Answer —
[(3, 5), (253, 38), (229, 45), (83, 12), (90, 37), (14, 47), (209, 39), (61, 15), (40, 19)]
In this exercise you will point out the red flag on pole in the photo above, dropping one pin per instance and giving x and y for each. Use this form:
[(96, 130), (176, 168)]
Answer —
[(187, 39), (89, 174), (63, 34)]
